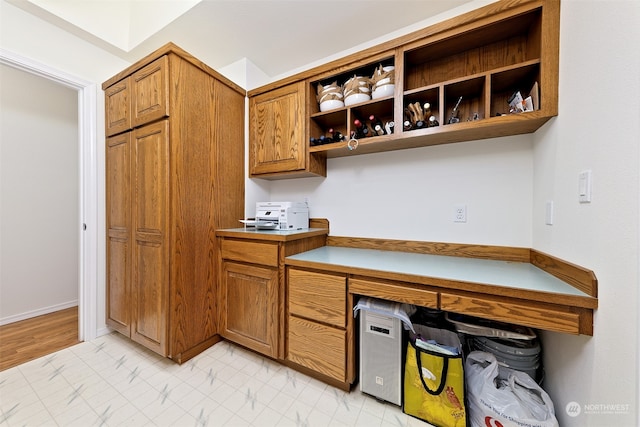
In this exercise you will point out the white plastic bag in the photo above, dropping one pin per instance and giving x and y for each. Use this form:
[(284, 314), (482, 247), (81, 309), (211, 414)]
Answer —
[(515, 401)]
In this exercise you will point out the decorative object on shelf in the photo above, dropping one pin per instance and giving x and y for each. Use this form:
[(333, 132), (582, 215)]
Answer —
[(519, 105), (329, 96), (357, 89), (383, 82), (389, 127), (454, 113), (416, 115)]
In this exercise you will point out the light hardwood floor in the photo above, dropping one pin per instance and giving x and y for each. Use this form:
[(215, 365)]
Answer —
[(36, 337)]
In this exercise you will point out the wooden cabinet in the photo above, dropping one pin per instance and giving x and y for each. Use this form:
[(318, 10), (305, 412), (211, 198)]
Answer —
[(118, 217), (249, 295), (277, 134), (174, 173), (319, 325), (138, 99), (251, 287), (472, 63)]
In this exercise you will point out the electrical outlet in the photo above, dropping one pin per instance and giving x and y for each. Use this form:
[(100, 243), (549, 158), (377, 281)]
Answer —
[(460, 213)]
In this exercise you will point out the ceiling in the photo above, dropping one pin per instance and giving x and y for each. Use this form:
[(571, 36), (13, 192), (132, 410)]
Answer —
[(277, 36)]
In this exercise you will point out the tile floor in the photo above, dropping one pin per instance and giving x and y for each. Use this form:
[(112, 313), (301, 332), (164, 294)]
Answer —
[(112, 381)]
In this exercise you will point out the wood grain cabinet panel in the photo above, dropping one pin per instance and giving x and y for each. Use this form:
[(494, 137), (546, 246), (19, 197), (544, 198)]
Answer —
[(318, 347), (118, 202), (252, 252), (318, 296), (535, 315), (150, 225), (320, 325), (249, 299), (395, 291), (172, 180), (150, 87), (118, 107)]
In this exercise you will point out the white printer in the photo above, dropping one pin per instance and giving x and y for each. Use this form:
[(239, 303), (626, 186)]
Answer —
[(282, 215)]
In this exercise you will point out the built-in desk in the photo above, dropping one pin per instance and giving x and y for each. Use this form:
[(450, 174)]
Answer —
[(515, 285), (517, 292)]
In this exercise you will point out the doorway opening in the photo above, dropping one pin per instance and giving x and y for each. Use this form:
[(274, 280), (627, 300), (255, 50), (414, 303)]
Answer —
[(88, 188)]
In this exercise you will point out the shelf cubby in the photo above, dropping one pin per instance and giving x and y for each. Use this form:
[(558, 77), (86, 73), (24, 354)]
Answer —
[(483, 56)]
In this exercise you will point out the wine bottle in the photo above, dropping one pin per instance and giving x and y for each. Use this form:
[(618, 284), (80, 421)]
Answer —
[(324, 140), (361, 130), (406, 125), (433, 122), (376, 125), (336, 135), (314, 141)]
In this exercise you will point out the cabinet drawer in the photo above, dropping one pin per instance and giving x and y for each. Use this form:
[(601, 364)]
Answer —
[(317, 347), (394, 291), (253, 252), (532, 315), (317, 296)]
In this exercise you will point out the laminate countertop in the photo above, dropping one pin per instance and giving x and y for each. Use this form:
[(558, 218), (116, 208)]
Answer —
[(459, 272)]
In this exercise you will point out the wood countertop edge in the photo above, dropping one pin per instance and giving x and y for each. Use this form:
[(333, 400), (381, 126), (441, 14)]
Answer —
[(454, 285), (266, 236)]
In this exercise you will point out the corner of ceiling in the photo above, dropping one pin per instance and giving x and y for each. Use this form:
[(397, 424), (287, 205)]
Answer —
[(124, 26)]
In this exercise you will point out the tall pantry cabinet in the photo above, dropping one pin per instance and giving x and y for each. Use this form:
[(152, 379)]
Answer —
[(174, 173)]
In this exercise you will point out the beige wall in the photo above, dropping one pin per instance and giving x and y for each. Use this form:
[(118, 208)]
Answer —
[(39, 205)]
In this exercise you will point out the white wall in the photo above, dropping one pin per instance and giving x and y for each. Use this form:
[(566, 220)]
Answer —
[(411, 194), (39, 203), (597, 129)]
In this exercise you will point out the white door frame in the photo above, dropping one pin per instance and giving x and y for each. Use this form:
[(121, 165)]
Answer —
[(88, 191)]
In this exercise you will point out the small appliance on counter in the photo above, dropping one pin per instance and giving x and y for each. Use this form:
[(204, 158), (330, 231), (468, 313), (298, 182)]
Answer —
[(280, 216)]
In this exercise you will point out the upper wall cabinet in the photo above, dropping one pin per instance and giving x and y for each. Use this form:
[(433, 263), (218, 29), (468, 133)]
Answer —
[(278, 133), (459, 80)]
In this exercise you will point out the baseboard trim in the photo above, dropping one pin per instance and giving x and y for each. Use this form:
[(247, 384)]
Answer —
[(38, 312)]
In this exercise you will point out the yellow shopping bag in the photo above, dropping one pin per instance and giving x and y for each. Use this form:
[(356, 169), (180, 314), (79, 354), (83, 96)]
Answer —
[(434, 387)]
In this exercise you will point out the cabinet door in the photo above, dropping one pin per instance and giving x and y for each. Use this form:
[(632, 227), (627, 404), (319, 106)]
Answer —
[(118, 202), (277, 136), (117, 110), (150, 87), (249, 307), (150, 281)]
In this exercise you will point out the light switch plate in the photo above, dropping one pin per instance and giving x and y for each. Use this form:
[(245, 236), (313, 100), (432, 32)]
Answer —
[(584, 186)]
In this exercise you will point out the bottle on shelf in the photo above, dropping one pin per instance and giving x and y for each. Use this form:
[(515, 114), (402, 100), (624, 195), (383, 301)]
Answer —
[(314, 141), (362, 131), (336, 135), (433, 122), (324, 140), (376, 125), (389, 126), (407, 124), (426, 109)]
